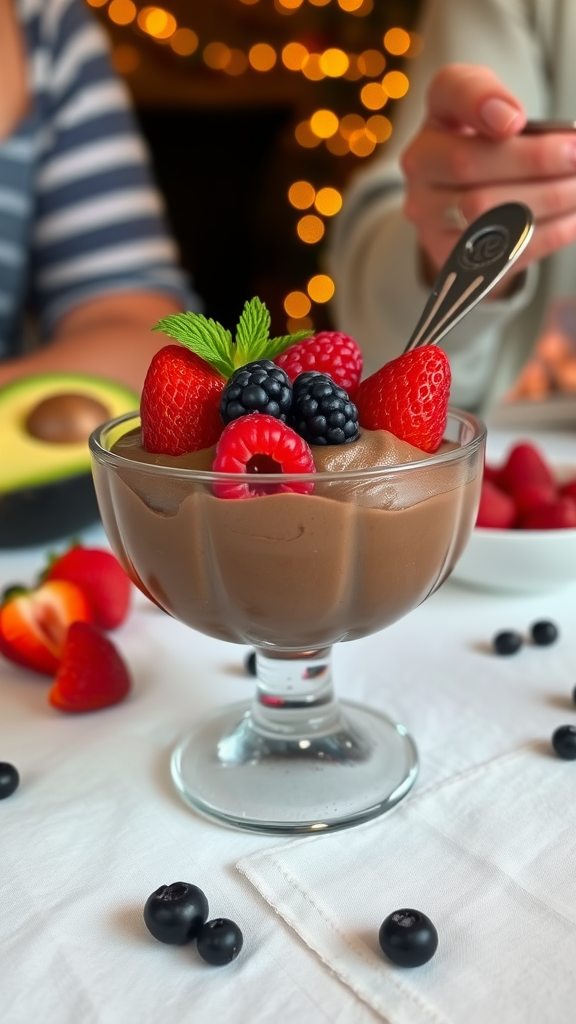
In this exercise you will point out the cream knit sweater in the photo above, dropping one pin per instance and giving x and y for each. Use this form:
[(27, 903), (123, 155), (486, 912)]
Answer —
[(531, 45)]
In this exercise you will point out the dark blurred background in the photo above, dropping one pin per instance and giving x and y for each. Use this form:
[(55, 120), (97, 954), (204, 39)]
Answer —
[(257, 112)]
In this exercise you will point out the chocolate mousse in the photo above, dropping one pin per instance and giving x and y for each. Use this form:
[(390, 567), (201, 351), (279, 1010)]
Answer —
[(294, 571)]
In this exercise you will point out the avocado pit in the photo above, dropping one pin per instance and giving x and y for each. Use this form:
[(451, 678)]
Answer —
[(66, 418)]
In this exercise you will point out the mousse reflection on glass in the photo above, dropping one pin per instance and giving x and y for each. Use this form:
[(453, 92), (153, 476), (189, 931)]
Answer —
[(289, 521)]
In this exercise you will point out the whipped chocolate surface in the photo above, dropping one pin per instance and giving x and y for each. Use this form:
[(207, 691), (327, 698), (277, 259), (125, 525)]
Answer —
[(298, 571)]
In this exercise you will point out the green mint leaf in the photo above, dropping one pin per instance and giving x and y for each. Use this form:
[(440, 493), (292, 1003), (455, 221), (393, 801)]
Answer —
[(252, 332), (204, 337), (277, 345)]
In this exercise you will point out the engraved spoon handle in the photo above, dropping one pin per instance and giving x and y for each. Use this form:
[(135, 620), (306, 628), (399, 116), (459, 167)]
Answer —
[(480, 258)]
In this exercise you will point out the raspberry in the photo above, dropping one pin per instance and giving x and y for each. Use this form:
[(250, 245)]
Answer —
[(556, 515), (322, 412), (260, 386), (256, 444), (328, 352), (497, 510)]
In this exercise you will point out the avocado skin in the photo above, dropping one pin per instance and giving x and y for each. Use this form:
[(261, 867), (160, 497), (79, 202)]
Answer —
[(47, 512)]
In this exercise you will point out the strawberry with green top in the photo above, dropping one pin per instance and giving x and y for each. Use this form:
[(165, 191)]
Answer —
[(180, 400)]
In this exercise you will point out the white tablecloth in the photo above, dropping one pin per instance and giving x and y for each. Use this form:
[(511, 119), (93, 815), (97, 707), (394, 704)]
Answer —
[(96, 825)]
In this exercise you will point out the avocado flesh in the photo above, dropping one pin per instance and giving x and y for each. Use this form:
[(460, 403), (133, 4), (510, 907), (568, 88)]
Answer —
[(46, 489), (26, 461)]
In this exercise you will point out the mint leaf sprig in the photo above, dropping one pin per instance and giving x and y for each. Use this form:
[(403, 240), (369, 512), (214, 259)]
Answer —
[(214, 344)]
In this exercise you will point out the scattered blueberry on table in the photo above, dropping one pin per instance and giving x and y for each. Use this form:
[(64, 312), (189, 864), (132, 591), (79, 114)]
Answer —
[(507, 642), (544, 633), (564, 742), (408, 938), (251, 663), (9, 779), (175, 913), (219, 941)]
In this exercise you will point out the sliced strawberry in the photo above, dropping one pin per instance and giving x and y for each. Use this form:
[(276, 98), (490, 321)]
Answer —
[(557, 515), (329, 352), (34, 625), (99, 574), (409, 397), (180, 403), (527, 478), (92, 674), (256, 444), (497, 510)]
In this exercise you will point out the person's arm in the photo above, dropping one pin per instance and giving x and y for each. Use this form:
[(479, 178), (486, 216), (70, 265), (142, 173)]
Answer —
[(103, 265), (377, 252), (109, 336)]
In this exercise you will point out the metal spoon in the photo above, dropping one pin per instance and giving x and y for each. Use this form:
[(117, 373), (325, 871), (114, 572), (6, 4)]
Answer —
[(480, 258)]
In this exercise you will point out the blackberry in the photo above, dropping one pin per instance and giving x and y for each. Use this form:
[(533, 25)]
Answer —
[(260, 386), (322, 412)]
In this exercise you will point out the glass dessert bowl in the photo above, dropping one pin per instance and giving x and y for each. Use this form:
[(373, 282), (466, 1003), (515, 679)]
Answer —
[(295, 565)]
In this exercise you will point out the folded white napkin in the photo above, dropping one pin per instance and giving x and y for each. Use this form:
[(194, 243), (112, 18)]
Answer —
[(489, 856)]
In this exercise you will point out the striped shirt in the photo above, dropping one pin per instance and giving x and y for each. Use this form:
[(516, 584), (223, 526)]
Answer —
[(79, 215)]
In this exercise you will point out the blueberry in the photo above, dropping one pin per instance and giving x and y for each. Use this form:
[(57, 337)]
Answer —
[(408, 938), (9, 779), (250, 663), (564, 742), (544, 633), (219, 941), (507, 642), (175, 913)]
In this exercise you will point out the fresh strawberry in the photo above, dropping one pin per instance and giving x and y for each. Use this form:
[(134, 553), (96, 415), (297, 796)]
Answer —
[(258, 443), (409, 397), (181, 396), (99, 574), (527, 478), (559, 514), (180, 402), (327, 352), (34, 624), (497, 510), (92, 674)]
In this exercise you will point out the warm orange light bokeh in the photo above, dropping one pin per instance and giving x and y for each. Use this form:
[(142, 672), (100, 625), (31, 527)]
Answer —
[(184, 42), (297, 305), (373, 96), (294, 55), (310, 229), (122, 12), (321, 288), (371, 63), (311, 68), (395, 84), (397, 41), (334, 62), (157, 22), (217, 55), (324, 123), (301, 194), (362, 143), (262, 56), (305, 136), (380, 127), (328, 201)]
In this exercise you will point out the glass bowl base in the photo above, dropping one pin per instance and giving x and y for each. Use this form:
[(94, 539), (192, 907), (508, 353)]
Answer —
[(231, 770)]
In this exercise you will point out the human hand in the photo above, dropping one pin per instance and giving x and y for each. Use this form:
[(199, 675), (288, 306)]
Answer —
[(469, 156)]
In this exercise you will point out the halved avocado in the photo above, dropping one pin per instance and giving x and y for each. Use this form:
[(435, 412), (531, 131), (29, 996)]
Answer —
[(46, 489)]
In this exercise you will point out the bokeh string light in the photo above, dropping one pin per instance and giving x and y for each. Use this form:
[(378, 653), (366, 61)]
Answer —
[(347, 135)]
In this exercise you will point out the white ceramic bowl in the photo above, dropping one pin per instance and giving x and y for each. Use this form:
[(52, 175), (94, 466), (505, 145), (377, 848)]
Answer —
[(520, 561)]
